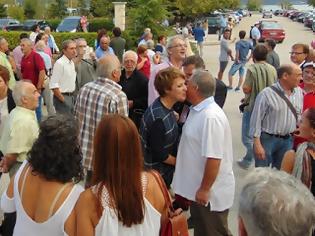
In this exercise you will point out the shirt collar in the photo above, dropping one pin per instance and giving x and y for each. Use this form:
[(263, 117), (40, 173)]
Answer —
[(25, 110), (66, 59), (200, 106), (302, 64), (108, 81), (280, 87)]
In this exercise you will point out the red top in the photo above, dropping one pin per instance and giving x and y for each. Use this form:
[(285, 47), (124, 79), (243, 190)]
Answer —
[(146, 67), (31, 65)]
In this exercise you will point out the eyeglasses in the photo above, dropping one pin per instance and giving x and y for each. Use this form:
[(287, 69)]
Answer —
[(179, 46), (296, 53)]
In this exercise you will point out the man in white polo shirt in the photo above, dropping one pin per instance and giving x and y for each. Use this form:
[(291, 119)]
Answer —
[(203, 172), (63, 79)]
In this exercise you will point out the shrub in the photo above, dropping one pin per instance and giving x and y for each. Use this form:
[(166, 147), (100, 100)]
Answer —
[(99, 23), (13, 37), (54, 23)]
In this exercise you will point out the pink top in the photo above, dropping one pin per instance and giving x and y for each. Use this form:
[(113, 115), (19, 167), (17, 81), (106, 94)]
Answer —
[(17, 55), (152, 93), (47, 50)]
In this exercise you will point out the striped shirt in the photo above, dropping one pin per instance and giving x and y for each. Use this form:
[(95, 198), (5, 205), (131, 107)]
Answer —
[(271, 113), (95, 99)]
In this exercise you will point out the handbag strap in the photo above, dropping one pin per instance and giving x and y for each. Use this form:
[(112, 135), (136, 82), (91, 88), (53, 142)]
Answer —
[(163, 187), (291, 107)]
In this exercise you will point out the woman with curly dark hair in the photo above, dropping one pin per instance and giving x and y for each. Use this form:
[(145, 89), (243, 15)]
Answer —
[(44, 190)]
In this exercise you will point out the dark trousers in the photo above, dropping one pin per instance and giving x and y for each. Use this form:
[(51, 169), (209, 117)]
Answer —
[(8, 224), (209, 223)]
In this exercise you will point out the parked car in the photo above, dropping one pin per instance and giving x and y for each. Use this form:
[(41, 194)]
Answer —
[(308, 21), (300, 17), (267, 14), (70, 24), (271, 30), (9, 23), (294, 15), (278, 12), (213, 24), (28, 24), (313, 26)]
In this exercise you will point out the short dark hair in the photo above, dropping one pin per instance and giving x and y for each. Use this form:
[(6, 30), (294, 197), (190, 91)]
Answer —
[(116, 31), (39, 37), (226, 30), (284, 69), (24, 36), (242, 34), (34, 27), (271, 43), (56, 154), (195, 60), (260, 52)]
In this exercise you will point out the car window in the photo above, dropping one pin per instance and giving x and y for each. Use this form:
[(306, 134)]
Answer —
[(270, 25)]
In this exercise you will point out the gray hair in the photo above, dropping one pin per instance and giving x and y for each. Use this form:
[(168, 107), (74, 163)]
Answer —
[(27, 41), (66, 43), (170, 41), (205, 83), (275, 203), (40, 45), (150, 44), (106, 65), (80, 40), (19, 91), (47, 28), (131, 53)]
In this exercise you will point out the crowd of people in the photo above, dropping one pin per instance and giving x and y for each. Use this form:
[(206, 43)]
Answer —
[(115, 116)]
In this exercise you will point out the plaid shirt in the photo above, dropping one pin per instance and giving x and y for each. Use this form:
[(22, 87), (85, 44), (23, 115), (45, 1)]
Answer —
[(95, 99)]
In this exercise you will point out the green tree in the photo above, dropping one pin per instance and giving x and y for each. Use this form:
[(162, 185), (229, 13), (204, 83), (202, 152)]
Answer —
[(101, 8), (147, 13), (254, 5), (16, 12), (3, 10), (57, 9), (29, 8), (83, 7), (311, 2)]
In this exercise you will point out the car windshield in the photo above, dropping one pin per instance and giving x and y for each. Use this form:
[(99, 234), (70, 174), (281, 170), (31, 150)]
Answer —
[(213, 21), (29, 22), (4, 22), (70, 22), (270, 25)]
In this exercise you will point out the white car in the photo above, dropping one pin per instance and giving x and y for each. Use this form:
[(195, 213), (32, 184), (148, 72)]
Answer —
[(267, 14)]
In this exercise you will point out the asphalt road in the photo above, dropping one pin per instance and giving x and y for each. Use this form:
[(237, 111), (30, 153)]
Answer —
[(295, 32)]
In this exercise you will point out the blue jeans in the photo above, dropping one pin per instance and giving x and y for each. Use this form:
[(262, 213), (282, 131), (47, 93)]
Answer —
[(275, 148), (38, 110), (240, 67), (247, 140)]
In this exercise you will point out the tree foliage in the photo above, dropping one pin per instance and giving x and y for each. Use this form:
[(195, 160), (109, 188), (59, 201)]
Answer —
[(83, 7), (101, 8), (147, 13), (29, 9), (16, 12), (311, 2), (199, 7), (57, 9), (3, 10), (254, 5)]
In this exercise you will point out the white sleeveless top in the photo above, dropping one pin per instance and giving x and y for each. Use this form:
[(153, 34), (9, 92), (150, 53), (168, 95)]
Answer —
[(110, 225), (54, 226)]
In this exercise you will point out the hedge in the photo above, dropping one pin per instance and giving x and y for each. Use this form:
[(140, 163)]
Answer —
[(94, 24), (13, 37)]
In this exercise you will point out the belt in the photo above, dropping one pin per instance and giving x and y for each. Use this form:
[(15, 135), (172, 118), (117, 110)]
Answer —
[(68, 93), (280, 136)]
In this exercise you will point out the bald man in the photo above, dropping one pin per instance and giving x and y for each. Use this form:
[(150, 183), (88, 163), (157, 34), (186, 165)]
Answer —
[(275, 115), (110, 99)]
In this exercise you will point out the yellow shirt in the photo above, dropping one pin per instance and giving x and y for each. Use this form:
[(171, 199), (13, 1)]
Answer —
[(19, 133), (5, 62)]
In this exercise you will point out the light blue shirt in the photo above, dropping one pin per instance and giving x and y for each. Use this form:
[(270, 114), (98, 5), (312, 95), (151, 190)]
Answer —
[(222, 22), (99, 52), (46, 59), (255, 33)]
